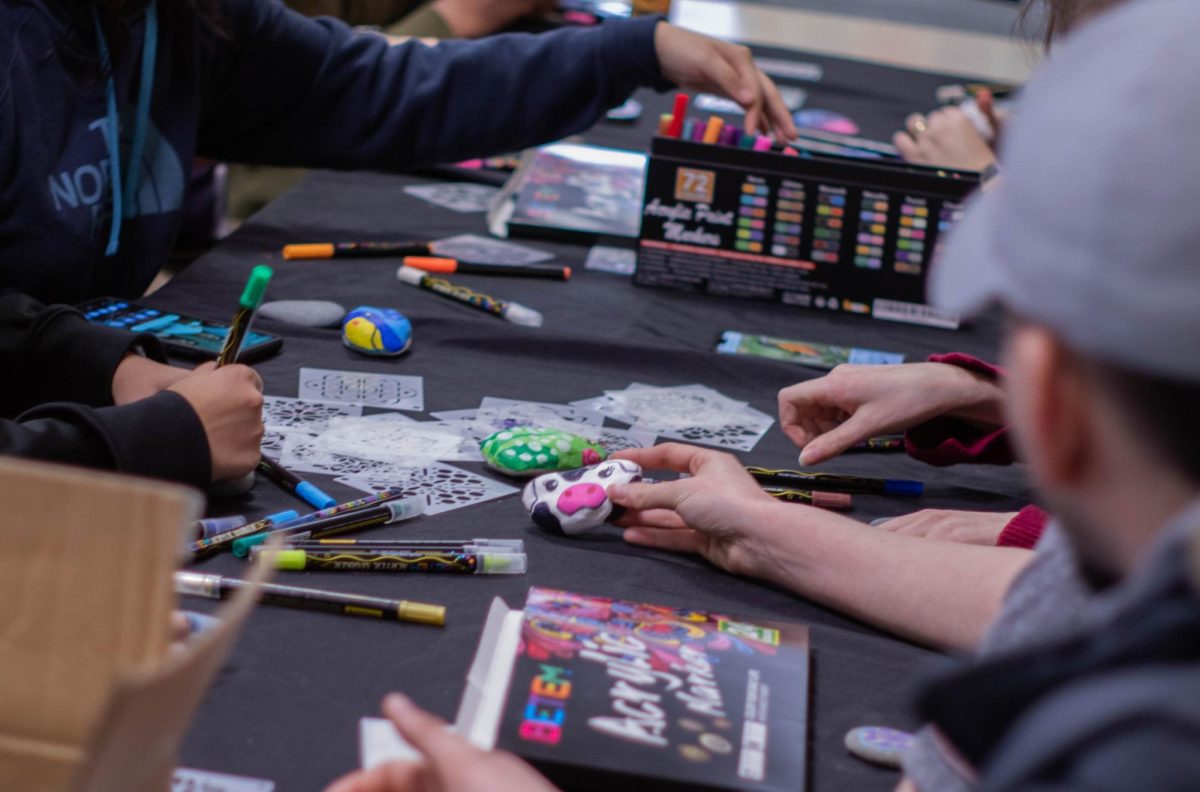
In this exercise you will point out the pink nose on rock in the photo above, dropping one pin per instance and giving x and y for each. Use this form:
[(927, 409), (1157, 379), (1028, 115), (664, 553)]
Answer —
[(581, 496)]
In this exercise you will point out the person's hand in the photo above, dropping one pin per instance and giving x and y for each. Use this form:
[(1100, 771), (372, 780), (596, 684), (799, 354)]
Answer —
[(947, 525), (229, 403), (475, 18), (715, 512), (825, 416), (451, 764), (944, 138), (700, 63), (137, 378)]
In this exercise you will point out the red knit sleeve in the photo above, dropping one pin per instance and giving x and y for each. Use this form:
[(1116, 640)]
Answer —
[(951, 441), (1024, 530)]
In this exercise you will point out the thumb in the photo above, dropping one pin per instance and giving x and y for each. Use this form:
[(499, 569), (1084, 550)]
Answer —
[(424, 731), (828, 445)]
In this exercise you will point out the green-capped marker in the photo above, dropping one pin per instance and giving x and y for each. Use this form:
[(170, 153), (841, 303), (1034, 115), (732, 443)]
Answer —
[(252, 297)]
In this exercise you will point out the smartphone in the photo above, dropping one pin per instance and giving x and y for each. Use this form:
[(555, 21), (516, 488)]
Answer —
[(182, 335)]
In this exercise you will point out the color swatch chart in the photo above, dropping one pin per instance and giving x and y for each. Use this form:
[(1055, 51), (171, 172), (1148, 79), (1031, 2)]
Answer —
[(752, 217), (828, 224), (948, 215), (872, 230), (913, 233), (789, 220)]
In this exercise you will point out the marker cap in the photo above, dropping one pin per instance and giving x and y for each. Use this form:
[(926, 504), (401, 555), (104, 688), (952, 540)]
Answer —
[(903, 488), (520, 315), (431, 263), (288, 560), (256, 287), (503, 563), (406, 507), (318, 250), (838, 501), (421, 612), (311, 493), (410, 275)]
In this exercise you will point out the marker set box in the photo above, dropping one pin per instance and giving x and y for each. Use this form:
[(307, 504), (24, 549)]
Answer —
[(821, 231)]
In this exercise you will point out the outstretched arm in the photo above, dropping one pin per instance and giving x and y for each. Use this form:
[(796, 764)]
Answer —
[(945, 594), (290, 90)]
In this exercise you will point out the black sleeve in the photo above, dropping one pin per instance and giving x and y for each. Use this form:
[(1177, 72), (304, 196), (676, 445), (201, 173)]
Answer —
[(51, 355)]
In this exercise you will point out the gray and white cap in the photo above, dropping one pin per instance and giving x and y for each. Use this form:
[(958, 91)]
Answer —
[(1094, 229)]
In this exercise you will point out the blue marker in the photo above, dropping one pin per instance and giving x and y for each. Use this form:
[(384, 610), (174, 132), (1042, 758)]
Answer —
[(305, 490), (833, 482), (212, 526)]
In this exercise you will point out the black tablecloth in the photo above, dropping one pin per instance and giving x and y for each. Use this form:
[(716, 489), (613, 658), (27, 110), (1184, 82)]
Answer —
[(286, 705)]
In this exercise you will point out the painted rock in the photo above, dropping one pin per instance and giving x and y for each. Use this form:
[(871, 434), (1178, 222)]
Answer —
[(377, 331), (576, 501), (878, 744), (528, 451)]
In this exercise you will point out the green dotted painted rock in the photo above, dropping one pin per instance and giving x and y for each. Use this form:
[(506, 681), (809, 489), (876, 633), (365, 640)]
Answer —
[(529, 451)]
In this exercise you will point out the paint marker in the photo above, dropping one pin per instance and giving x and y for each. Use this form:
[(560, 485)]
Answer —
[(712, 130), (289, 481), (698, 130), (196, 584), (882, 443), (223, 540), (678, 114), (762, 143), (461, 545), (343, 522), (448, 266), (837, 483), (511, 311), (380, 560), (834, 501), (241, 545), (211, 526), (252, 297), (332, 250), (664, 124), (747, 141)]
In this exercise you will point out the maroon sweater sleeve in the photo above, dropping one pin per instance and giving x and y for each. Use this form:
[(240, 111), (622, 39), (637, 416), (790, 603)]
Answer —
[(1025, 529), (951, 441)]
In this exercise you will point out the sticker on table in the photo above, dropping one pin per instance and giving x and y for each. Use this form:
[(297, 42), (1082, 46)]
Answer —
[(617, 260), (390, 391), (273, 440), (827, 120), (445, 487), (307, 415), (462, 197), (478, 249), (189, 780)]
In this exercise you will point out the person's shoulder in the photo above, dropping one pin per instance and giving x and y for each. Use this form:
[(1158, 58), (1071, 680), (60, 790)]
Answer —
[(1137, 728)]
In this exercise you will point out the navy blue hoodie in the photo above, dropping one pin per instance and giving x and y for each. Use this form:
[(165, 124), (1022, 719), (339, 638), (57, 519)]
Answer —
[(273, 87), (279, 88)]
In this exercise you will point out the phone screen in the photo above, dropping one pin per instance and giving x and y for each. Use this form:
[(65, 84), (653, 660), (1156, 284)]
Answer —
[(185, 334)]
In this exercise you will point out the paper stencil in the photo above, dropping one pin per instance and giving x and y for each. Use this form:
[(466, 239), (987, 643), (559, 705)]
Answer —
[(462, 197), (446, 487), (390, 391), (281, 412), (486, 250), (389, 440)]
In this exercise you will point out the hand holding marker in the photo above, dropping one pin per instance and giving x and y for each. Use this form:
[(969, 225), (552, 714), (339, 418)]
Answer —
[(252, 297)]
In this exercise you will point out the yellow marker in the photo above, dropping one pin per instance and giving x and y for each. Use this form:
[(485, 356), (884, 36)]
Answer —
[(713, 130)]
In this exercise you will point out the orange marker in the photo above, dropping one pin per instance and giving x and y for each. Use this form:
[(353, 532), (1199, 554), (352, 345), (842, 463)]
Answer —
[(713, 131), (327, 250), (447, 266), (664, 124)]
